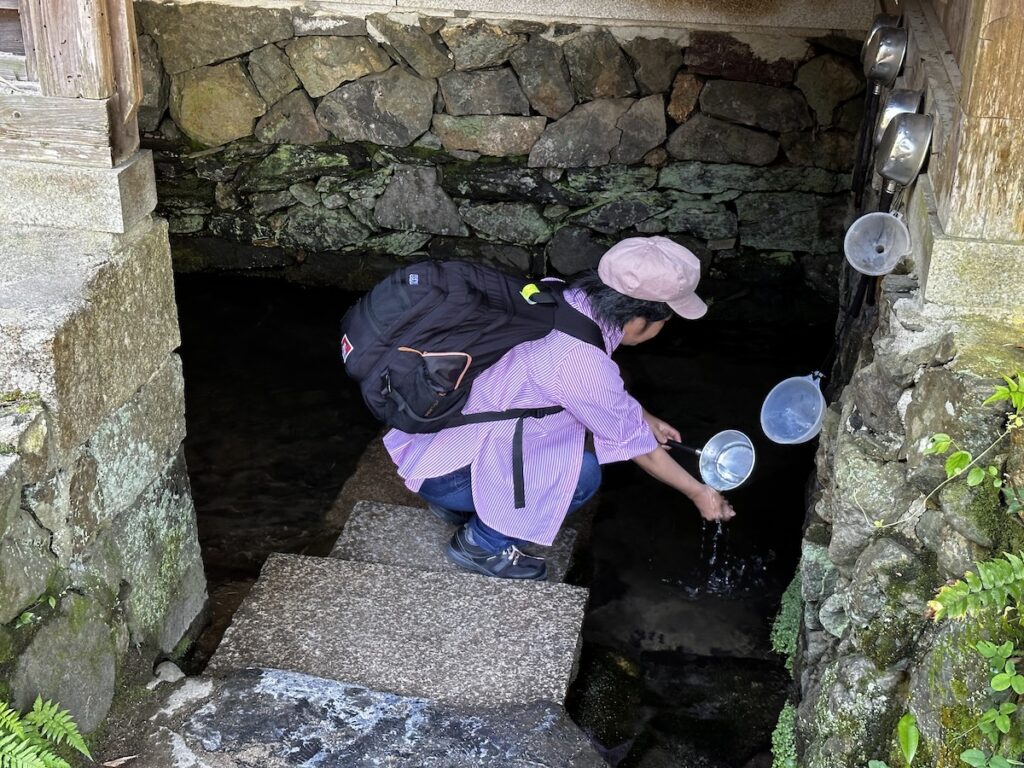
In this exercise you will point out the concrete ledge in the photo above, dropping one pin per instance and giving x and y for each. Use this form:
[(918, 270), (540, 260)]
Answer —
[(413, 538), (736, 15), (455, 638), (978, 276), (85, 320), (77, 197)]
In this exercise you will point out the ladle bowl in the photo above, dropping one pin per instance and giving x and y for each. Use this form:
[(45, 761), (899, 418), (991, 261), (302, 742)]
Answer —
[(898, 101), (904, 148), (880, 20), (883, 56), (726, 460)]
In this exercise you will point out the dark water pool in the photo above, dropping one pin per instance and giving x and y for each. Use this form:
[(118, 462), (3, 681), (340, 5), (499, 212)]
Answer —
[(676, 667)]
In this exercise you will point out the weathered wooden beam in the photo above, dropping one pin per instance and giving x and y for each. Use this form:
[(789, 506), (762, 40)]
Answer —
[(979, 177), (127, 78), (72, 43), (993, 61), (54, 129), (11, 38), (13, 67), (27, 24), (982, 190), (954, 16)]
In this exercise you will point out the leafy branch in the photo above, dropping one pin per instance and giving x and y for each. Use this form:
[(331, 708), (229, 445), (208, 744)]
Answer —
[(962, 460)]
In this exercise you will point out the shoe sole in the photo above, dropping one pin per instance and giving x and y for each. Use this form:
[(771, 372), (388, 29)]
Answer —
[(464, 562)]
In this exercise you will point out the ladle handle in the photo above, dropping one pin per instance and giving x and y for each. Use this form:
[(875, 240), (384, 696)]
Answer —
[(676, 444)]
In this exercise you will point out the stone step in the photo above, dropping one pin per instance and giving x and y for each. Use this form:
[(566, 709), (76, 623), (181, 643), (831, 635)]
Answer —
[(277, 719), (454, 637), (412, 537)]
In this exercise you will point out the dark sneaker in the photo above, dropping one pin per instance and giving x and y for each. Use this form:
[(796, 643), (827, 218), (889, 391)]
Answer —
[(450, 516), (510, 563)]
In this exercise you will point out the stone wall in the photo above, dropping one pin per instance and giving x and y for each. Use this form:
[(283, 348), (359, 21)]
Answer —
[(329, 147), (883, 533), (100, 571)]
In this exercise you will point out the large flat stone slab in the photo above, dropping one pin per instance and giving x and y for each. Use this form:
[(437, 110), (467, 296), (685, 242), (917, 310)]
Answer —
[(456, 638), (86, 319), (77, 197), (797, 14), (277, 719), (412, 537)]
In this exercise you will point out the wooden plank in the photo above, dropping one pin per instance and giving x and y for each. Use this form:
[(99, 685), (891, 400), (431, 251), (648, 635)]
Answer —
[(11, 38), (954, 16), (984, 195), (127, 77), (993, 63), (9, 5), (13, 68), (72, 47), (27, 20), (54, 129)]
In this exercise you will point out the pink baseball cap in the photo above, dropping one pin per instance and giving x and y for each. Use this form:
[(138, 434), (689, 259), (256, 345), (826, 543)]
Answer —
[(654, 269)]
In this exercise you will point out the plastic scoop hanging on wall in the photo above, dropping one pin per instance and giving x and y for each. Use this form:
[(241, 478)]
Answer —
[(793, 411)]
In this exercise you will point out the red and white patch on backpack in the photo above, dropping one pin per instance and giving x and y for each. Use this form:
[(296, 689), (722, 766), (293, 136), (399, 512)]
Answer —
[(346, 348)]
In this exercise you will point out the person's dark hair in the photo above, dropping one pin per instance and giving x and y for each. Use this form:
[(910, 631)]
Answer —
[(615, 309)]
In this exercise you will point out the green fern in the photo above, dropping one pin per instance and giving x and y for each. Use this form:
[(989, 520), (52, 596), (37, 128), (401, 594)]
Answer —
[(10, 721), (997, 582), (56, 725), (27, 741)]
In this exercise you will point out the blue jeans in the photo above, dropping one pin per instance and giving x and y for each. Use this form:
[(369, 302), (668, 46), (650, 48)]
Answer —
[(455, 491)]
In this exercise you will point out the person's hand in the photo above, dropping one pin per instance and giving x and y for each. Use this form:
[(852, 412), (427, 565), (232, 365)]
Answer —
[(662, 430), (712, 505)]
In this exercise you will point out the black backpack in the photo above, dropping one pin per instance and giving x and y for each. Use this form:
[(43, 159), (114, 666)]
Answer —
[(416, 342)]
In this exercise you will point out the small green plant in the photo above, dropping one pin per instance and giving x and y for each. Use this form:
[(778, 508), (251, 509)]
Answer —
[(962, 460), (908, 737), (28, 740), (784, 738), (978, 759), (786, 626), (997, 582)]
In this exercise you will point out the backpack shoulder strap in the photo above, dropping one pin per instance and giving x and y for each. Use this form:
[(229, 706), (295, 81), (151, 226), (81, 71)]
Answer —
[(570, 320)]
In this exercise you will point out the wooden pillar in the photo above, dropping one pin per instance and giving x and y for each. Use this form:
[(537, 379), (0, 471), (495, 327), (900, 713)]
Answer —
[(84, 56), (981, 191)]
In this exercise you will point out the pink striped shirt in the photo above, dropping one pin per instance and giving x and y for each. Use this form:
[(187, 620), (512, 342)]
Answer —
[(555, 370)]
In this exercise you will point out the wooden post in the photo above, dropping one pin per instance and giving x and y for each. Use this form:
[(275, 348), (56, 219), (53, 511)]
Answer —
[(77, 50), (982, 194), (72, 47)]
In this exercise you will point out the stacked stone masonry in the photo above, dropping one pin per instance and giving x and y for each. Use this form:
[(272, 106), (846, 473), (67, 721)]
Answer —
[(100, 570), (332, 147)]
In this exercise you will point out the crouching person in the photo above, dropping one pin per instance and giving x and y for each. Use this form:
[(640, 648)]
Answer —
[(473, 476)]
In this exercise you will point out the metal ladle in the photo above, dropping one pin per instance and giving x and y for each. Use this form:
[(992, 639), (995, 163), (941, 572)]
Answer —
[(897, 102), (880, 20), (726, 460), (902, 152), (883, 57)]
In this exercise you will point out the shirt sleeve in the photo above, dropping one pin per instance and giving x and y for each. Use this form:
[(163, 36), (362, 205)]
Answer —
[(590, 388)]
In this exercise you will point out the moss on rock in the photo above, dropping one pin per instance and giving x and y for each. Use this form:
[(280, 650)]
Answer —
[(786, 626), (784, 739)]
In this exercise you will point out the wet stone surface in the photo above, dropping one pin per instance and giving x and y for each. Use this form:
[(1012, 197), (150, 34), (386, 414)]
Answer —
[(275, 719)]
